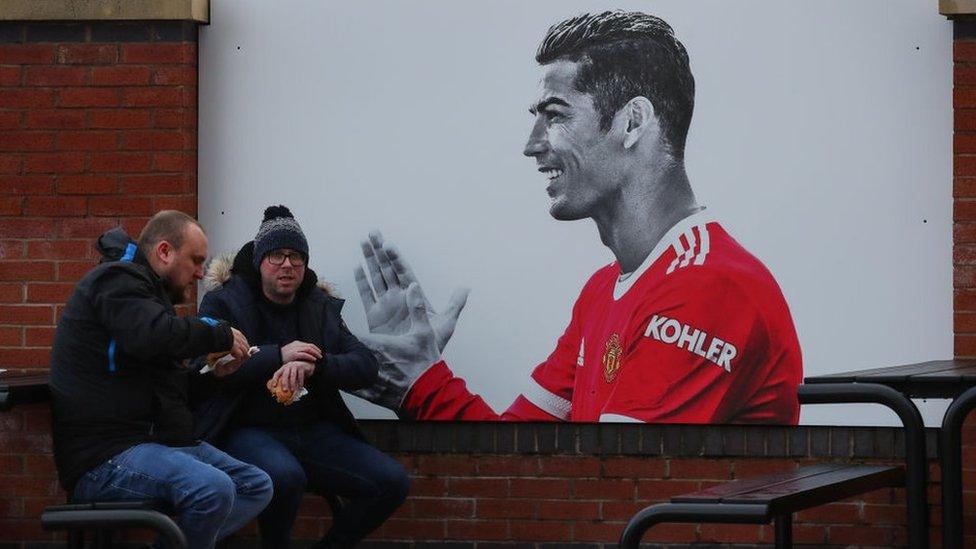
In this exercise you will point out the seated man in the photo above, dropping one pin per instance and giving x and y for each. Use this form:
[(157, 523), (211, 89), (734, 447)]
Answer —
[(271, 296), (122, 427)]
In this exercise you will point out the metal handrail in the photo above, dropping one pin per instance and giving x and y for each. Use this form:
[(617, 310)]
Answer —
[(115, 518), (950, 449), (916, 468)]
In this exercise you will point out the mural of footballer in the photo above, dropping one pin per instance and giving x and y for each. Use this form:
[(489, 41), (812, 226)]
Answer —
[(686, 326)]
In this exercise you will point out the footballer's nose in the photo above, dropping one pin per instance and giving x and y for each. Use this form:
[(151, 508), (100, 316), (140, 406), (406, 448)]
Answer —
[(538, 143)]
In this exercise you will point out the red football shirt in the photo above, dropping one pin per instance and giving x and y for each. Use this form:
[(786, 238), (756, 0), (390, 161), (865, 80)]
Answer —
[(699, 333)]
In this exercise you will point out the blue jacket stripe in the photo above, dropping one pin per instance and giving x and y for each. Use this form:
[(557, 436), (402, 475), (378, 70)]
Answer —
[(130, 252), (111, 356)]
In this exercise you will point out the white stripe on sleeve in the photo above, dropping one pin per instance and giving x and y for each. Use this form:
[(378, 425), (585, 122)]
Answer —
[(618, 418), (549, 402)]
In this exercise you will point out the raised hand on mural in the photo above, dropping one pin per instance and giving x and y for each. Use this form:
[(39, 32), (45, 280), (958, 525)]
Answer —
[(393, 301), (403, 356), (391, 275)]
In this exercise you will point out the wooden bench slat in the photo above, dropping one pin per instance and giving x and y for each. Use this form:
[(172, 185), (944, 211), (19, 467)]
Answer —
[(811, 491), (900, 372), (720, 492)]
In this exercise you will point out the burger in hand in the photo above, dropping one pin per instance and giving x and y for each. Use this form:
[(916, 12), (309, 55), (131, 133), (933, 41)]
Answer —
[(281, 394)]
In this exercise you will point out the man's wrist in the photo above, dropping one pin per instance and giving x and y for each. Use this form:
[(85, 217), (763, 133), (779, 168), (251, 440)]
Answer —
[(437, 374)]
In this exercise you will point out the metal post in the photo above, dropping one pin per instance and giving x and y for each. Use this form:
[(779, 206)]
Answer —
[(916, 469), (76, 539), (784, 531), (950, 455), (103, 539)]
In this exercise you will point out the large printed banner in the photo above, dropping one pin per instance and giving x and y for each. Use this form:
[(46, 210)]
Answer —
[(647, 211)]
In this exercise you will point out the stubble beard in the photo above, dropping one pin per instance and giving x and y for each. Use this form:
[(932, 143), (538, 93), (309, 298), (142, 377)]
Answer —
[(177, 296)]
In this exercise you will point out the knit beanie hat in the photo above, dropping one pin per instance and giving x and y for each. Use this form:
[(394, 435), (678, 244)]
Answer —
[(278, 230)]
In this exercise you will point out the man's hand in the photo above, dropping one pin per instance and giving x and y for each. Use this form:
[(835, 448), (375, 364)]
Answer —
[(391, 275), (224, 368), (404, 356), (299, 350), (239, 350), (293, 374)]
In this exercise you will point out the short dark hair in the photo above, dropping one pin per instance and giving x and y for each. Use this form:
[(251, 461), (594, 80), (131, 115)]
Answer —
[(168, 225), (624, 55)]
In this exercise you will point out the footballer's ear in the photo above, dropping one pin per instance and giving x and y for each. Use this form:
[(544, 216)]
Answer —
[(641, 121)]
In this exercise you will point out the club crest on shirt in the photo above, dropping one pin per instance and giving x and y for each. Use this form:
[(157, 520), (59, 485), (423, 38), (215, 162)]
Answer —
[(611, 358)]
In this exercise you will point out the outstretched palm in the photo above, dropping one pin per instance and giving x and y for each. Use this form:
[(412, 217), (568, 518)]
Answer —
[(385, 300), (405, 333)]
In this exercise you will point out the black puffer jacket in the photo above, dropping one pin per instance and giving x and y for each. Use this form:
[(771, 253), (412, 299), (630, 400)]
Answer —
[(347, 364), (116, 375)]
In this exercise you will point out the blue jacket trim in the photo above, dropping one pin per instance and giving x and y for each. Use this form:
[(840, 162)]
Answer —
[(111, 356), (130, 252), (209, 321)]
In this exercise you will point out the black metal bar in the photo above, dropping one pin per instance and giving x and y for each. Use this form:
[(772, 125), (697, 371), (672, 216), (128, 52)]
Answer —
[(784, 531), (916, 469), (121, 518), (689, 512), (103, 539), (950, 460), (22, 390)]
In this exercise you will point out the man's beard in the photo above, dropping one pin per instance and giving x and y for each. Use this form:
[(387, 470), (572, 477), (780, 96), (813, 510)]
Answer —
[(176, 295)]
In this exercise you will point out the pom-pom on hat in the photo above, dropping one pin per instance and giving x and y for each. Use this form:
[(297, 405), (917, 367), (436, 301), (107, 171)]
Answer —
[(278, 230)]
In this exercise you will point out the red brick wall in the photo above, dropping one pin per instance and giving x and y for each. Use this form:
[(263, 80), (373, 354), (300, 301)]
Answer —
[(28, 480), (581, 493), (964, 192), (94, 133), (964, 235)]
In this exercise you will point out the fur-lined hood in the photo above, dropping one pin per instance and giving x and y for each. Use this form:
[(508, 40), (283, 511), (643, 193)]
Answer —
[(218, 271), (221, 267)]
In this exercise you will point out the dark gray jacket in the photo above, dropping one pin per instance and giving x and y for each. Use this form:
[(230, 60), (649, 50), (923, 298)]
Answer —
[(116, 373), (347, 364)]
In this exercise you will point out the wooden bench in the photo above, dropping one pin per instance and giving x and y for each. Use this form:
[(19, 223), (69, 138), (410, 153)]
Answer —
[(774, 498), (765, 499)]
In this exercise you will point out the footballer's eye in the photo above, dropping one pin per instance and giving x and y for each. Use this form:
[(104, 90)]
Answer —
[(553, 115)]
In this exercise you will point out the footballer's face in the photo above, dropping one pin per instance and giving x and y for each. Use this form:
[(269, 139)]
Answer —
[(576, 157)]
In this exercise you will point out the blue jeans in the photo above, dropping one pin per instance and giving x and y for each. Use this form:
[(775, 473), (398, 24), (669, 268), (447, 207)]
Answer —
[(321, 456), (213, 494)]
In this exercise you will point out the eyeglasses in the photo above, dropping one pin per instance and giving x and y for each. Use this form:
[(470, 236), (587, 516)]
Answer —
[(278, 257)]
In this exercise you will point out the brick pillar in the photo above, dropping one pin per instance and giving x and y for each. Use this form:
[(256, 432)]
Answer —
[(964, 236), (97, 129)]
